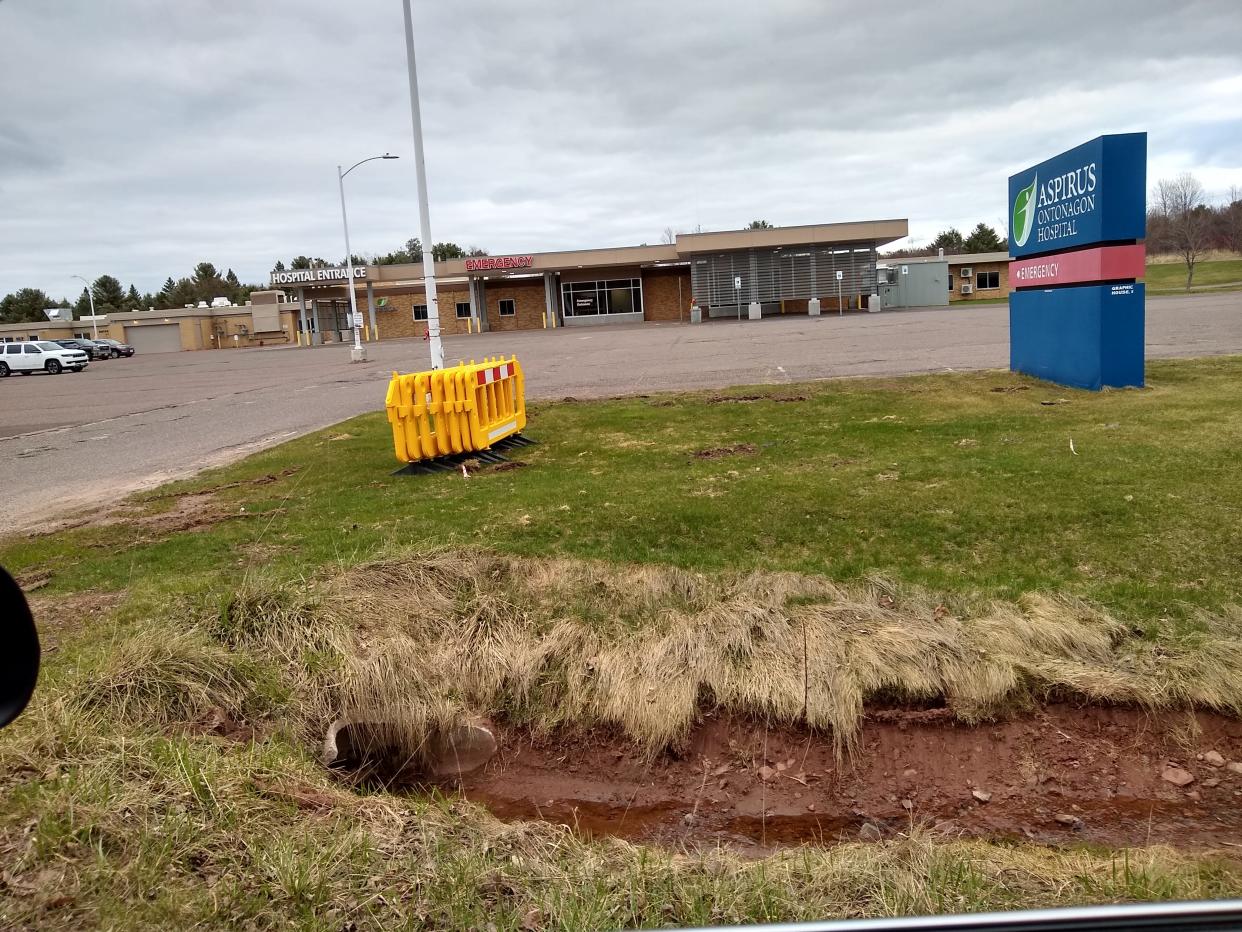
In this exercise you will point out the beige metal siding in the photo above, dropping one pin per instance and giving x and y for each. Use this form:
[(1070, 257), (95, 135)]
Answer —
[(157, 338)]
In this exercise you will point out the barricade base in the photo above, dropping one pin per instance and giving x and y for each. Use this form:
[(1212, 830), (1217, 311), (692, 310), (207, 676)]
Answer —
[(452, 462)]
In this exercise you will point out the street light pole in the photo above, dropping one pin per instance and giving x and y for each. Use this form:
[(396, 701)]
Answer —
[(424, 216), (357, 354), (91, 297)]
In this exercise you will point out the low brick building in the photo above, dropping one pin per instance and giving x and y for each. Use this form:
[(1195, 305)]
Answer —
[(760, 273), (778, 271)]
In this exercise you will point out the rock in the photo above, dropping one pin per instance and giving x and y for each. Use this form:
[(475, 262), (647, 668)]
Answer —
[(1234, 767), (1211, 782), (781, 766), (689, 818), (766, 773), (910, 773), (810, 807), (1214, 758), (870, 832), (982, 795), (907, 804), (1176, 775), (1194, 795), (946, 827), (1068, 819)]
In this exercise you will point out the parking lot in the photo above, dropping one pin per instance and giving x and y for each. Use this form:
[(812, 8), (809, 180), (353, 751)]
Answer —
[(86, 438)]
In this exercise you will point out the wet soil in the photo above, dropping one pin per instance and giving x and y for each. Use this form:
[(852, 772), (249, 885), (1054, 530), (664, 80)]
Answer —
[(738, 449), (1062, 774)]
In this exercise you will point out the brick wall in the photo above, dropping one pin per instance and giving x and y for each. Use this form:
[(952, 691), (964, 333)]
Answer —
[(661, 300), (528, 301), (395, 320), (955, 276)]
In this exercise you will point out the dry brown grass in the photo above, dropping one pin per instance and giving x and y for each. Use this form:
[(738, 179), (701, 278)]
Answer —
[(421, 641)]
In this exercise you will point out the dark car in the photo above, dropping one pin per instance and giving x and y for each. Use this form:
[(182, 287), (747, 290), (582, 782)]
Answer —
[(115, 348), (89, 347)]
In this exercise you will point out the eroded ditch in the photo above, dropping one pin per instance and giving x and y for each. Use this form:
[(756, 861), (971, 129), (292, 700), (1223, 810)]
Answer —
[(1060, 774)]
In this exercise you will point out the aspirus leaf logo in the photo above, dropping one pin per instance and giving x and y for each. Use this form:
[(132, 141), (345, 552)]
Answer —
[(1024, 213)]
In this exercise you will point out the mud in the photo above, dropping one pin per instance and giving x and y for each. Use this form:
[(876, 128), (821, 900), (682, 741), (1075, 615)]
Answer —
[(59, 616), (738, 449), (737, 399), (1062, 774)]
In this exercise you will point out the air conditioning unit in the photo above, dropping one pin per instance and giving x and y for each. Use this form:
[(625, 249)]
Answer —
[(968, 272), (968, 289)]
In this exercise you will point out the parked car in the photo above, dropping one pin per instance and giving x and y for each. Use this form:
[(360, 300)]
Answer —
[(40, 356), (116, 348), (92, 349)]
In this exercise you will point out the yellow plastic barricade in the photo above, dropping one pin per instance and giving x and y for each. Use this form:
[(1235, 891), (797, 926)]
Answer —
[(464, 409)]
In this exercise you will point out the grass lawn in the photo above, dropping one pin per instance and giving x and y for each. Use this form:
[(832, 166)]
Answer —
[(119, 807), (1171, 276)]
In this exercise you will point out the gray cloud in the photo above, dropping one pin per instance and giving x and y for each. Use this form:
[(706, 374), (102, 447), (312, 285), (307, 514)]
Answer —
[(140, 136)]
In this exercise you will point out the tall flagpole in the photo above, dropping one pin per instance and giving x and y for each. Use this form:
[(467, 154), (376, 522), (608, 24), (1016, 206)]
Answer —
[(424, 216)]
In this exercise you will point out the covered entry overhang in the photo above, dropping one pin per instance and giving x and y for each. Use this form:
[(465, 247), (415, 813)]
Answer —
[(775, 268)]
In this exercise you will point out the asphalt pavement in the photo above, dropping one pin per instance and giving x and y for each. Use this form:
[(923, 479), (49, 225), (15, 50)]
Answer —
[(87, 438)]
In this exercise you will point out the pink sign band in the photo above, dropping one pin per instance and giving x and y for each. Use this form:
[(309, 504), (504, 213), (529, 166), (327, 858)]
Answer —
[(1096, 264)]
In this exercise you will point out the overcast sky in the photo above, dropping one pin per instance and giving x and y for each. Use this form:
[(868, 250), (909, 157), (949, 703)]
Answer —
[(138, 137)]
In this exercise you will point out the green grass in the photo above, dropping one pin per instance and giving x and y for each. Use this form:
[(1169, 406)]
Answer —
[(117, 810), (963, 484), (1221, 274)]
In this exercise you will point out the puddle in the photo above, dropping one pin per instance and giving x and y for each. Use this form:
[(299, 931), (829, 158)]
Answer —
[(1064, 775)]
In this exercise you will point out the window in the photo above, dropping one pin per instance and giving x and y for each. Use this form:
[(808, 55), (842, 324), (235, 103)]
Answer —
[(507, 307), (31, 349), (13, 349), (987, 280), (950, 281), (463, 309), (420, 312), (585, 299)]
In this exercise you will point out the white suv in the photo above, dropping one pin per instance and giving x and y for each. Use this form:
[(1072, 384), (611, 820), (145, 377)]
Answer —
[(39, 356)]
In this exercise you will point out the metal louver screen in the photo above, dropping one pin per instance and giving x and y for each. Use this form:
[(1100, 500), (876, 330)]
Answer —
[(771, 275)]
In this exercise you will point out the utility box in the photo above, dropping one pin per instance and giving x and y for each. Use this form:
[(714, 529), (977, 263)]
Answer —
[(919, 283)]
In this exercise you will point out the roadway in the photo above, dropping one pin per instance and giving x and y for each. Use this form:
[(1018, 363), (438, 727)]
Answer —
[(88, 438)]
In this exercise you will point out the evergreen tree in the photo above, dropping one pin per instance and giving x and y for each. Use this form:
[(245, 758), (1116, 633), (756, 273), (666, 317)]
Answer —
[(82, 306), (983, 239), (164, 300), (26, 305), (950, 241), (109, 295), (133, 300), (442, 251)]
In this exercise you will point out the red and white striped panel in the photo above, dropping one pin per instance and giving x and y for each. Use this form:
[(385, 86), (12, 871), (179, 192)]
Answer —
[(495, 373)]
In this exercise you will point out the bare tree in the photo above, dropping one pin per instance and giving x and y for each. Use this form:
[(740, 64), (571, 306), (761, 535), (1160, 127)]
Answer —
[(669, 237), (1187, 222)]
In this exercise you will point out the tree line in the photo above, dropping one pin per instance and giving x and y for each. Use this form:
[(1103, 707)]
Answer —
[(1182, 222), (982, 238), (206, 283), (410, 253)]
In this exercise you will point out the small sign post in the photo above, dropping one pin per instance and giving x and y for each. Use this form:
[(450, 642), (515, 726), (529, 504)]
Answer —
[(840, 310), (737, 295)]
